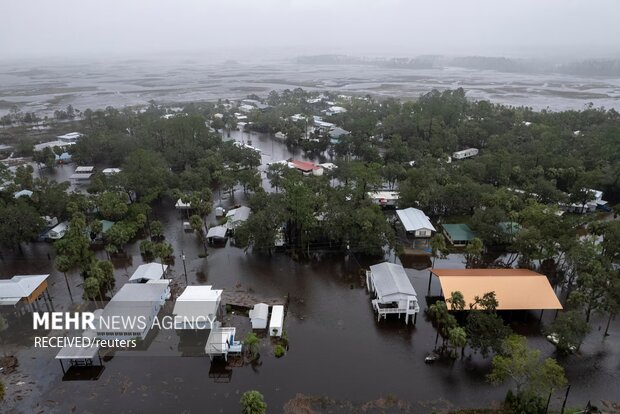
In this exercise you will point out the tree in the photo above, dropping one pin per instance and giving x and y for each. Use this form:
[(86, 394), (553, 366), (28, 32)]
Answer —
[(157, 229), (524, 367), (20, 223), (251, 343), (275, 172), (442, 320), (486, 332), (456, 301), (163, 251), (570, 328), (252, 402), (63, 264), (91, 289), (112, 205), (473, 252), (144, 172), (458, 338), (75, 246), (438, 248)]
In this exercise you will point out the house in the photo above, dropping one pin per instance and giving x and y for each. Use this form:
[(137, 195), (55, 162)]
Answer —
[(259, 316), (394, 293), (23, 193), (52, 145), (595, 200), (148, 271), (466, 153), (181, 205), (384, 198), (221, 342), (64, 158), (277, 320), (306, 167), (334, 110), (197, 307), (23, 289), (336, 133), (58, 232), (237, 216), (417, 225), (246, 108), (457, 234), (110, 171), (82, 174), (217, 235), (70, 137), (134, 301)]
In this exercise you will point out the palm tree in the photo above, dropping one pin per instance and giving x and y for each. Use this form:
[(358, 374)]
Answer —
[(438, 249), (456, 301), (251, 344), (63, 264), (458, 338)]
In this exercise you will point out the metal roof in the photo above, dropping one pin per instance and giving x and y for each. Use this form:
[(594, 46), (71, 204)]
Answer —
[(515, 289), (459, 232), (260, 311), (140, 292), (217, 231), (239, 214), (389, 279), (19, 287), (149, 271), (414, 219)]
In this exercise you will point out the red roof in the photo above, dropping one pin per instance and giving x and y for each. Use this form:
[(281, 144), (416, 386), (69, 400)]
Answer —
[(304, 165)]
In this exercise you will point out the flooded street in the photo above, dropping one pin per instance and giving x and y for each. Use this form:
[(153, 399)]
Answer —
[(337, 348)]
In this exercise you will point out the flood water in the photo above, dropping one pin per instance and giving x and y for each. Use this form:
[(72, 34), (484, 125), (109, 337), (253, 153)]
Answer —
[(337, 348), (43, 87)]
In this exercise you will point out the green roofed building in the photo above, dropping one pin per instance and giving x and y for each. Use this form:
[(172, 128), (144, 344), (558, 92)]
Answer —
[(458, 234)]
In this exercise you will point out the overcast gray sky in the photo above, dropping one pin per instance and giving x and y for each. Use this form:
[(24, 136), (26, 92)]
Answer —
[(388, 27)]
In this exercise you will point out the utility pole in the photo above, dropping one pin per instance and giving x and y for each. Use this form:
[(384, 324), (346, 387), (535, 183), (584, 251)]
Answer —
[(184, 267)]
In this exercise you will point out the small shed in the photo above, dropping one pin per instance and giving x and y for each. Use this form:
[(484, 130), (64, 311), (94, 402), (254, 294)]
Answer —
[(276, 323), (259, 315)]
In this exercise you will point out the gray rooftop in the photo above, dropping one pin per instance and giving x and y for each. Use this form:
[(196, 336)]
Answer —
[(390, 279), (414, 219)]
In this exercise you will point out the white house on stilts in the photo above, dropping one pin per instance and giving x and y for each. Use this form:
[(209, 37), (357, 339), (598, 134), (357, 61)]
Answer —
[(393, 290)]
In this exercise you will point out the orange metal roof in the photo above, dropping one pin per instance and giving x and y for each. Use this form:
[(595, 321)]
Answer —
[(515, 289)]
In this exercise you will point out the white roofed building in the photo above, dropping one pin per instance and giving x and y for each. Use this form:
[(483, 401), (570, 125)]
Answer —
[(148, 271), (26, 289), (416, 225), (259, 315), (197, 307), (394, 293), (236, 216), (135, 303)]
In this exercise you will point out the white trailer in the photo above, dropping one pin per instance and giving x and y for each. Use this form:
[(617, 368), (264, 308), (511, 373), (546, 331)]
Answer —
[(277, 320)]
